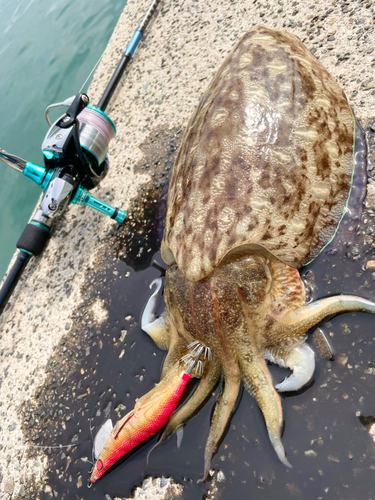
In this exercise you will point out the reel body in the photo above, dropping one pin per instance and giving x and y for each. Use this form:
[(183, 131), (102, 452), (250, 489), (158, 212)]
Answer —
[(74, 150)]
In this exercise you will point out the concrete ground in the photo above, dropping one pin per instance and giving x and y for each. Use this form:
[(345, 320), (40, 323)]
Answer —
[(183, 48)]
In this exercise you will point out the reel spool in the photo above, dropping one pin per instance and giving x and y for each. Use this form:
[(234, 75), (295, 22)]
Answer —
[(82, 134), (95, 133)]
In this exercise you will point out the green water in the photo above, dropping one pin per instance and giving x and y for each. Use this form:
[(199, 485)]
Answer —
[(47, 50)]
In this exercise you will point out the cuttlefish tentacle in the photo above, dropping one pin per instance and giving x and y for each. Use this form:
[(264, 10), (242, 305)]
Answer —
[(223, 409), (290, 328), (211, 374), (259, 383), (300, 359), (163, 331)]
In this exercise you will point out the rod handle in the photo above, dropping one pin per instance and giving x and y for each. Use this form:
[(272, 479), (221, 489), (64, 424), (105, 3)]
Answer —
[(34, 238)]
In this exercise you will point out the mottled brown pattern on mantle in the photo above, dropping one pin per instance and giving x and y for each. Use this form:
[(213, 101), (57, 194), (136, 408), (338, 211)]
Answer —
[(266, 158)]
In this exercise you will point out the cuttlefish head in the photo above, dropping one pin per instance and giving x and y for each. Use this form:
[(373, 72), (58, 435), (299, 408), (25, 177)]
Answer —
[(243, 298), (250, 309), (237, 311)]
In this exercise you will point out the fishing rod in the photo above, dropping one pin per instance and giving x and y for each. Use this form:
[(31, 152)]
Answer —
[(75, 161)]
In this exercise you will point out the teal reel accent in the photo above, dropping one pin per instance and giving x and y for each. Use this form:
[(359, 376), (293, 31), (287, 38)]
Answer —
[(42, 176), (39, 224), (83, 197)]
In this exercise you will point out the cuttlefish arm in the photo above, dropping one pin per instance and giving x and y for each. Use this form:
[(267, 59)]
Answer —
[(293, 325)]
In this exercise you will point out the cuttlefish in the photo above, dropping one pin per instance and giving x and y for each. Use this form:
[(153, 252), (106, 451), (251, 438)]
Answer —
[(259, 187)]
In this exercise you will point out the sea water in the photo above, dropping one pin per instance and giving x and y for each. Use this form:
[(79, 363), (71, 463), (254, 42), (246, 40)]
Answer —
[(47, 50)]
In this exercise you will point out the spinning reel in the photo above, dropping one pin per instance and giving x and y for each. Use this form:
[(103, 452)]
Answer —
[(74, 150), (75, 162)]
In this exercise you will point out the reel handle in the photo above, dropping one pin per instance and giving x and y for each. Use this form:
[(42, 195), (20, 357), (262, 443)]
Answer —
[(83, 197), (13, 161), (34, 172), (42, 177)]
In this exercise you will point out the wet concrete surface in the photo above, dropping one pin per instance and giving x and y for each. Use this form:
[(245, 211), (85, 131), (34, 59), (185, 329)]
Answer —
[(100, 371)]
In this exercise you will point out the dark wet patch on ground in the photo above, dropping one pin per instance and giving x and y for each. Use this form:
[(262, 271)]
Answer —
[(100, 371), (140, 237)]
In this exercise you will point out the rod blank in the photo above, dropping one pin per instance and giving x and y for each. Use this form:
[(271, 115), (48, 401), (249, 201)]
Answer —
[(126, 57), (12, 278)]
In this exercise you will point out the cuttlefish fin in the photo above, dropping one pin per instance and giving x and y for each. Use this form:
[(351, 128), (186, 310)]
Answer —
[(223, 409), (258, 382)]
